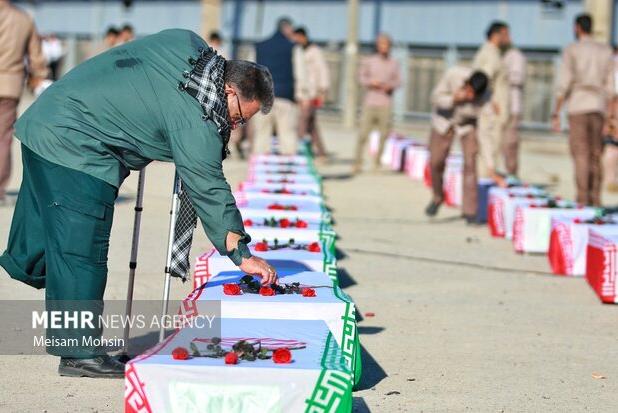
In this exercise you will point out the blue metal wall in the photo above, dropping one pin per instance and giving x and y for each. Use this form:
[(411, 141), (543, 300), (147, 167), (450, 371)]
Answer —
[(425, 23), (429, 35)]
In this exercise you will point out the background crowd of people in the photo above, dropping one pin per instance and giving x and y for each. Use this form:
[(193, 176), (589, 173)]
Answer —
[(485, 107), (114, 36), (481, 105)]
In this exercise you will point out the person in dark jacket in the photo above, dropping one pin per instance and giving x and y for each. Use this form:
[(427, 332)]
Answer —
[(279, 55)]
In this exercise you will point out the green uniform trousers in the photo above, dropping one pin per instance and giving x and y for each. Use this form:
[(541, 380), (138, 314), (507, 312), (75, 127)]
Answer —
[(59, 240)]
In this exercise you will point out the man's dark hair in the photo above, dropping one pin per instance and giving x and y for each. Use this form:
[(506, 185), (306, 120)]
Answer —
[(301, 30), (284, 21), (254, 82), (112, 31), (214, 36), (584, 21), (478, 81), (127, 28), (496, 27)]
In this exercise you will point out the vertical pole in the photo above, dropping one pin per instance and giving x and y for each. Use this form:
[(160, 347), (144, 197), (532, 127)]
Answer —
[(168, 261), (236, 28), (137, 220), (351, 59), (211, 16), (401, 53), (377, 18), (602, 12)]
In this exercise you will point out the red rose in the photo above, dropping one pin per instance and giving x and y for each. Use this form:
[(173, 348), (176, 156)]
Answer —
[(248, 223), (282, 356), (261, 246), (180, 353), (301, 224), (231, 289), (275, 206), (266, 291), (292, 208), (577, 221), (308, 292), (284, 223), (314, 247), (231, 358)]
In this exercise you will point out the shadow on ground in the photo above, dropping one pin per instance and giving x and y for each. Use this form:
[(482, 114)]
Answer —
[(342, 161), (373, 373), (340, 255), (139, 344), (359, 405), (369, 330), (337, 177), (345, 279), (125, 198)]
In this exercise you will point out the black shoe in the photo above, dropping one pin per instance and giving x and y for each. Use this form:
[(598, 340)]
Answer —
[(123, 358), (471, 220), (432, 208), (98, 367)]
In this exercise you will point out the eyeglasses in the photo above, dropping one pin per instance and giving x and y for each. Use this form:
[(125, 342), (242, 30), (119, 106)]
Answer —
[(242, 120)]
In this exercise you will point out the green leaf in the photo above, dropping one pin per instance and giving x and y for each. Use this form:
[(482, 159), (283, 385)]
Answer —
[(194, 350)]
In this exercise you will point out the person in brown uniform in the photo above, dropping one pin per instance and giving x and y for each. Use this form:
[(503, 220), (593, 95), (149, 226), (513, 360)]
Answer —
[(313, 88), (380, 75), (515, 63), (586, 85), (610, 151), (457, 102), (494, 117), (19, 43)]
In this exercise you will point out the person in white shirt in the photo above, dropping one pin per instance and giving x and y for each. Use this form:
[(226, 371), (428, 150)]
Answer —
[(53, 52)]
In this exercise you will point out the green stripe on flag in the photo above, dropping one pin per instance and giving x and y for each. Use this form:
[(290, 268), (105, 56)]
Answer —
[(333, 389)]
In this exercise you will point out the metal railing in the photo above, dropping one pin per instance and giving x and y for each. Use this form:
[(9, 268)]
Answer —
[(423, 68)]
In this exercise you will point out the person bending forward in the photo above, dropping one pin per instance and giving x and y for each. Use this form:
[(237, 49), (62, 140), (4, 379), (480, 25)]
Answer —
[(167, 97), (457, 100)]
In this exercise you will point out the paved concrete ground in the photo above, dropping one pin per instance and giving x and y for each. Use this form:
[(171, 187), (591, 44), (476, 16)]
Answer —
[(461, 322)]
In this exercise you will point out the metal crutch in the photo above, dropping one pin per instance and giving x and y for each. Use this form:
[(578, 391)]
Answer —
[(137, 220), (168, 261)]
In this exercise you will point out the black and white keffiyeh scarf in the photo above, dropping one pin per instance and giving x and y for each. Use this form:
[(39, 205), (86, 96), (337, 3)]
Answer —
[(205, 82)]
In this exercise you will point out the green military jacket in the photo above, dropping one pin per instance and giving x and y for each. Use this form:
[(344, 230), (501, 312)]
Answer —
[(123, 109)]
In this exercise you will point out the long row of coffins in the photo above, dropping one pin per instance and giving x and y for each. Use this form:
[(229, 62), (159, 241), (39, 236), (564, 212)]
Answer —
[(578, 240), (287, 347)]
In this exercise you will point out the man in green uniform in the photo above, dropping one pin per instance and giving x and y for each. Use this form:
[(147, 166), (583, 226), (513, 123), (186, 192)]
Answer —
[(166, 97)]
